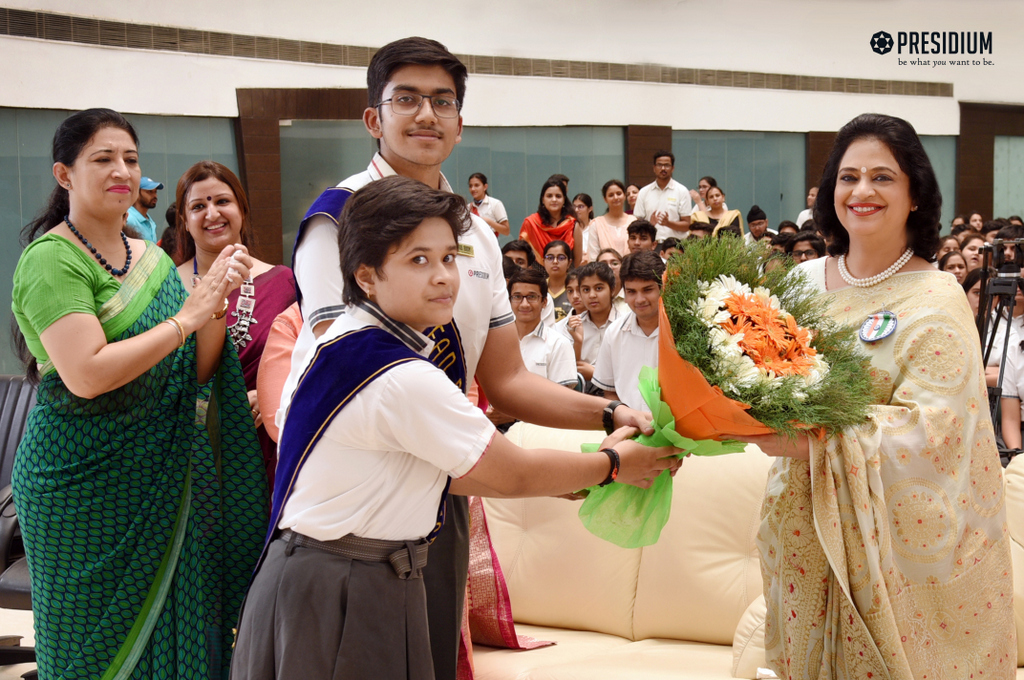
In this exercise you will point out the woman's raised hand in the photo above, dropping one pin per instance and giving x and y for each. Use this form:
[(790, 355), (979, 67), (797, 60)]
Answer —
[(210, 295)]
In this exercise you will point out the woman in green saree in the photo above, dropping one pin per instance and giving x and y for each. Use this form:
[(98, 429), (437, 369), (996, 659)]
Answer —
[(141, 521)]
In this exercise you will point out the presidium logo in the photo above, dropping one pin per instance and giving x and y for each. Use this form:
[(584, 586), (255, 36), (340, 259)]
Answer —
[(881, 42), (958, 43)]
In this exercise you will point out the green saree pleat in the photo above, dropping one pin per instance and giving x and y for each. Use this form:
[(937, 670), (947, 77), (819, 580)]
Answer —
[(141, 531)]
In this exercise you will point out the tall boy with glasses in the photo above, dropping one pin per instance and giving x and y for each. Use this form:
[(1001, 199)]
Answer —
[(411, 85)]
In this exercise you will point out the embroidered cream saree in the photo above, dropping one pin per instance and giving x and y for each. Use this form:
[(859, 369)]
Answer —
[(887, 555)]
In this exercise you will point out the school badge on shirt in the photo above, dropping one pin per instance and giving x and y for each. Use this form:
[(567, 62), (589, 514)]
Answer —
[(878, 326)]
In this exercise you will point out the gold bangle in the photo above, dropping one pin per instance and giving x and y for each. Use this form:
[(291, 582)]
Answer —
[(222, 312), (178, 327)]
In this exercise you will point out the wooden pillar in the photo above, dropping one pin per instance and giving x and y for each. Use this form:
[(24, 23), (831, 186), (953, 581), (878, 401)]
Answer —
[(642, 142)]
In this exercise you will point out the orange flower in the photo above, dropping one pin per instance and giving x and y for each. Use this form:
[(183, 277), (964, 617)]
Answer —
[(773, 342)]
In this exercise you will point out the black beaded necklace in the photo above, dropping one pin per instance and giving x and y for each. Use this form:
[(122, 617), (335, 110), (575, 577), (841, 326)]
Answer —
[(102, 260)]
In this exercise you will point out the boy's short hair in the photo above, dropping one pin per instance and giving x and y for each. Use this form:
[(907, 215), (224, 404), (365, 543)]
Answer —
[(598, 269), (644, 265), (414, 50), (508, 266), (520, 246), (642, 227), (612, 251), (381, 215), (782, 238), (535, 276), (811, 238), (668, 244), (572, 275), (787, 223)]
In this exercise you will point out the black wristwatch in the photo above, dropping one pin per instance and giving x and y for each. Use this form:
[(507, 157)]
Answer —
[(608, 415)]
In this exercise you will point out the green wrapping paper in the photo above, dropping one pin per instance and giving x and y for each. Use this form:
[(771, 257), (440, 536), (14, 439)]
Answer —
[(631, 517)]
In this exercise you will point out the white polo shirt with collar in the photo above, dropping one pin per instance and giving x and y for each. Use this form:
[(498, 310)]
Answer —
[(592, 334), (491, 208), (382, 463), (548, 354), (482, 303), (624, 351), (673, 199)]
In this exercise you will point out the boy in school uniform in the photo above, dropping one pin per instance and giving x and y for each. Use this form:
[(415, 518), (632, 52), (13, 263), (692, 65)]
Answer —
[(585, 331), (375, 437), (632, 341), (641, 235)]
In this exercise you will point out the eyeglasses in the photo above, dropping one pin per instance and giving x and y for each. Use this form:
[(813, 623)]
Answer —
[(805, 254), (532, 298), (409, 103), (556, 258), (663, 165)]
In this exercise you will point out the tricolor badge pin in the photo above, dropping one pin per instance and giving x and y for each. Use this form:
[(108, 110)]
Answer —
[(878, 326)]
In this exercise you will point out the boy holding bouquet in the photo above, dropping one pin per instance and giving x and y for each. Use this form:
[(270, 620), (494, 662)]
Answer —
[(376, 437)]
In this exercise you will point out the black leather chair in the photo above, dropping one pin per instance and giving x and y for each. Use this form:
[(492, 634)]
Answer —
[(17, 397)]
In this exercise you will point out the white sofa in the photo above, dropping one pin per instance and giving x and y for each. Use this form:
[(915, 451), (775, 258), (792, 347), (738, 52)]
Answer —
[(688, 607)]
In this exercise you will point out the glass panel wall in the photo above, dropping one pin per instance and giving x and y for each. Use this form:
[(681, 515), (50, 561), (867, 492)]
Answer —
[(941, 150), (168, 146), (1008, 171), (762, 168)]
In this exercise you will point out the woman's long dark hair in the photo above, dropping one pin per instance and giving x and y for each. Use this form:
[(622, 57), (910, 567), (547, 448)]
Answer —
[(545, 216), (902, 141), (68, 141)]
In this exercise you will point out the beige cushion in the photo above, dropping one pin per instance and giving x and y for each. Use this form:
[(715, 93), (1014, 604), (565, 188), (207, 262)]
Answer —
[(558, 573), (748, 642), (1015, 518), (573, 646), (698, 579)]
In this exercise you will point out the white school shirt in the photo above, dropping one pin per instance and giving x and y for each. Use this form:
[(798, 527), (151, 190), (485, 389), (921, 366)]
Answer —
[(548, 354), (624, 351), (674, 199), (382, 463), (482, 302), (592, 334), (491, 208), (805, 214)]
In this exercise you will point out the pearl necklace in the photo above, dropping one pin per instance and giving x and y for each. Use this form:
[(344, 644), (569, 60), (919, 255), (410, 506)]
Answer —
[(877, 278)]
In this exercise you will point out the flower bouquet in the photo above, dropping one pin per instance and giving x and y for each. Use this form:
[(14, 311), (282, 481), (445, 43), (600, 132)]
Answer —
[(741, 352)]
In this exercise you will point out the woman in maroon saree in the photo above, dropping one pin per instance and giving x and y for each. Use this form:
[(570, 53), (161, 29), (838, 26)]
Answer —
[(213, 211)]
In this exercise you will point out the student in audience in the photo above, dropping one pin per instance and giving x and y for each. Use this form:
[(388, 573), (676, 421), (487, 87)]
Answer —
[(787, 227), (958, 221), (520, 252), (1016, 219), (612, 258), (947, 245), (971, 249), (975, 222), (339, 589), (553, 220), (757, 225), (641, 235), (700, 195), (572, 292), (954, 263), (699, 230), (586, 330), (490, 209), (717, 215), (805, 246), (609, 230), (583, 206), (780, 240), (546, 352), (557, 260), (508, 267), (631, 342), (990, 229), (808, 213), (669, 247), (632, 191)]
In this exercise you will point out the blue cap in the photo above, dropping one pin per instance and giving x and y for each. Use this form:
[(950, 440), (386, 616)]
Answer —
[(149, 184)]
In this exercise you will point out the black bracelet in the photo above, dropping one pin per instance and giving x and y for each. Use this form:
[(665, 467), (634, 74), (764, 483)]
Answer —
[(608, 416), (613, 456)]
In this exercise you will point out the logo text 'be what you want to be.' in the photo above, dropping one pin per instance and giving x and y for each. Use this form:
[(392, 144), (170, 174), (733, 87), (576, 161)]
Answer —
[(956, 46)]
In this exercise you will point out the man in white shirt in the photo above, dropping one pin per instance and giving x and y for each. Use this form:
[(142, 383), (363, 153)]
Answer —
[(415, 88), (665, 203), (632, 341), (757, 225), (807, 214)]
